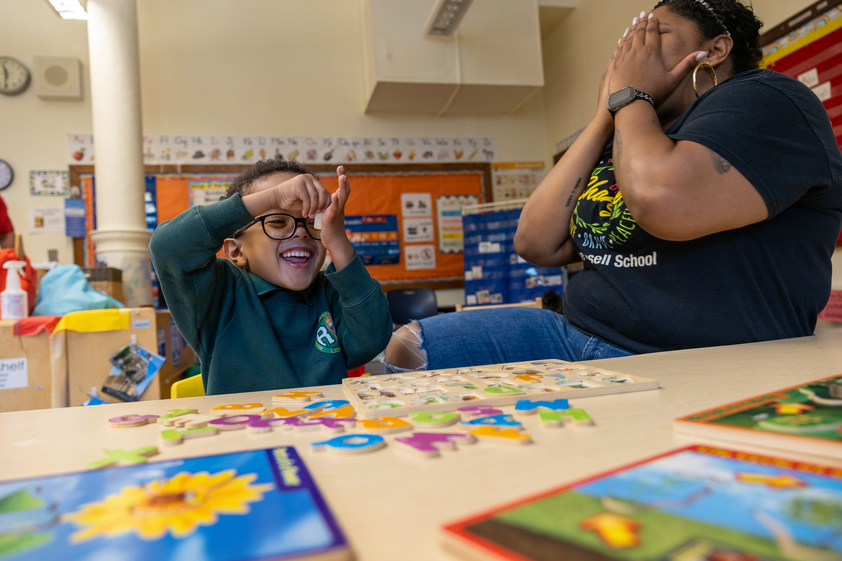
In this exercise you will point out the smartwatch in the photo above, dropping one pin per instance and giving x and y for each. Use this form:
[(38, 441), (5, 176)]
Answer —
[(621, 98)]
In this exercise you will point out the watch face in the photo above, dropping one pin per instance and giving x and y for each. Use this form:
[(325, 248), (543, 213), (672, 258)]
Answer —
[(621, 98), (6, 175), (14, 76)]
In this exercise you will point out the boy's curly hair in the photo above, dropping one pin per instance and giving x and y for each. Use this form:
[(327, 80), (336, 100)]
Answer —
[(738, 18), (243, 182)]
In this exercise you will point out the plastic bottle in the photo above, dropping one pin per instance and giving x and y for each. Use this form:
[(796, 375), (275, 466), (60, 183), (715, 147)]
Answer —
[(14, 302)]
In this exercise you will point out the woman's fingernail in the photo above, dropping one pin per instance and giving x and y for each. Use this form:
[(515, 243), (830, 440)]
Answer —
[(620, 40), (642, 15), (651, 15), (701, 55), (634, 21), (626, 33)]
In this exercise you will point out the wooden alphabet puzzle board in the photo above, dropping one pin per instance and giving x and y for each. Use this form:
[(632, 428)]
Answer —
[(495, 385)]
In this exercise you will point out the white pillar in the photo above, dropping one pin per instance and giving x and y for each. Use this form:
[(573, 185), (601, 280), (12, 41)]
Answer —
[(121, 237)]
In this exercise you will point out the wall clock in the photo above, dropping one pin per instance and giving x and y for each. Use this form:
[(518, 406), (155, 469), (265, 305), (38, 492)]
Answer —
[(6, 175), (14, 76)]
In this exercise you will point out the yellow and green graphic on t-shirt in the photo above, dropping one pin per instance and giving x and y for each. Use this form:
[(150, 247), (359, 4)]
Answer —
[(601, 218)]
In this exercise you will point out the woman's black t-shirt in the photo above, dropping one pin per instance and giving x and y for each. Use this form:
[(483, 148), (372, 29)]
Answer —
[(765, 281)]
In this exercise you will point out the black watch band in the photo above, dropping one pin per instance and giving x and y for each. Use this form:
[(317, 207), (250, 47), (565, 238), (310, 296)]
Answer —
[(624, 97)]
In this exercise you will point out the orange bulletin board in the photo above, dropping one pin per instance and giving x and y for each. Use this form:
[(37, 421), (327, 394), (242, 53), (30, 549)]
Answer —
[(376, 191)]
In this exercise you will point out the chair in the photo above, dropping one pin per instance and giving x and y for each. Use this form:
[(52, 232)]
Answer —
[(408, 305), (537, 303), (188, 387)]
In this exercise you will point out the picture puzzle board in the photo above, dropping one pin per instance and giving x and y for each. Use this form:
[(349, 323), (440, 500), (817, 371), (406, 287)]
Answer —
[(698, 503), (805, 418), (396, 395), (259, 504)]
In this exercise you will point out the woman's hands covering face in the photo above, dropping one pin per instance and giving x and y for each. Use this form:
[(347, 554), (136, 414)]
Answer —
[(639, 62)]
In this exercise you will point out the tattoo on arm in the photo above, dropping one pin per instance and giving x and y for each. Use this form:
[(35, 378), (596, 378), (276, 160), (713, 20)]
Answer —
[(721, 164), (618, 145), (573, 193)]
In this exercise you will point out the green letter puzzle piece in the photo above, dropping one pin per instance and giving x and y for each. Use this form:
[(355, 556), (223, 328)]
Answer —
[(552, 419), (128, 457)]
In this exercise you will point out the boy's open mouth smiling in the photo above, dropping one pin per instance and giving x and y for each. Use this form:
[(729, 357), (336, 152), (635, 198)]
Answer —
[(297, 256)]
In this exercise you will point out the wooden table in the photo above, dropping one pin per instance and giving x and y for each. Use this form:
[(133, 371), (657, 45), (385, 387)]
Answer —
[(390, 504)]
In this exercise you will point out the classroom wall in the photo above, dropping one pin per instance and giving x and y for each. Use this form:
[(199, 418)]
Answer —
[(261, 67)]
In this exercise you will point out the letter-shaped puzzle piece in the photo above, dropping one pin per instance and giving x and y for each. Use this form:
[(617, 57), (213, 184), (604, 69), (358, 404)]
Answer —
[(526, 407), (328, 424), (428, 444), (174, 413), (328, 404), (280, 412), (554, 419), (351, 444), (237, 409), (430, 420), (501, 436), (124, 457), (493, 421), (502, 390), (475, 411), (192, 421), (344, 412), (296, 396), (384, 425), (171, 437), (234, 422), (128, 421)]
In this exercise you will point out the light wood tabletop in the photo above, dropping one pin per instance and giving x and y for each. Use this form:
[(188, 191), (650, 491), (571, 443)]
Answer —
[(390, 504)]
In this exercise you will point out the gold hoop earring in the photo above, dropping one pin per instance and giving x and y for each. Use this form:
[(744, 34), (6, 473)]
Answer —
[(707, 67)]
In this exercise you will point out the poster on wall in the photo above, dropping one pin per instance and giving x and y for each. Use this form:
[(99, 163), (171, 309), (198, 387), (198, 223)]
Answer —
[(417, 230), (375, 238), (221, 149), (515, 180), (51, 183), (46, 220), (416, 204), (203, 193), (419, 257), (449, 212)]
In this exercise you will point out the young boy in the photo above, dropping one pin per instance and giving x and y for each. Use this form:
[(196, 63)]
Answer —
[(266, 318)]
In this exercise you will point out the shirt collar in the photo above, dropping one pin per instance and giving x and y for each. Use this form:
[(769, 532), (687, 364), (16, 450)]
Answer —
[(264, 287)]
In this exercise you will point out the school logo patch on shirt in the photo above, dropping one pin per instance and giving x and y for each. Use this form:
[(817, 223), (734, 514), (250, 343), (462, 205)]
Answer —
[(326, 339)]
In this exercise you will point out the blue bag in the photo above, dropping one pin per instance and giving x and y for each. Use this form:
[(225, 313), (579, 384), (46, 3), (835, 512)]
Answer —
[(65, 289)]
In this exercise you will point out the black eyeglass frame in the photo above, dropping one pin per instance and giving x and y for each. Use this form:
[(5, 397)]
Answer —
[(262, 220)]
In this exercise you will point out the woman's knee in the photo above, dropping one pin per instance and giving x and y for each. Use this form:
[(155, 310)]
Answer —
[(404, 349)]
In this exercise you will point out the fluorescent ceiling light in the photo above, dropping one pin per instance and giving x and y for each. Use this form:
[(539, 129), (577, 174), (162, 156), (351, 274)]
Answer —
[(446, 16), (69, 9)]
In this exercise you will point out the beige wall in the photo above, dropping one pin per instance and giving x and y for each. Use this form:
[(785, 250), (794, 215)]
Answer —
[(263, 67)]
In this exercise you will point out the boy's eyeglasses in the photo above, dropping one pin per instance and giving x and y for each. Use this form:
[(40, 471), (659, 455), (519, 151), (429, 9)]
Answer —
[(282, 226)]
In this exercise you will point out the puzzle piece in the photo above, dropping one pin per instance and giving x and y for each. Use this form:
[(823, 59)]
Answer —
[(501, 436), (556, 419), (480, 411), (431, 420), (237, 409), (124, 457), (234, 422), (171, 437), (351, 444), (526, 407), (492, 421), (344, 412), (429, 444), (384, 425), (295, 396), (280, 412), (174, 413), (130, 421), (192, 421), (328, 404)]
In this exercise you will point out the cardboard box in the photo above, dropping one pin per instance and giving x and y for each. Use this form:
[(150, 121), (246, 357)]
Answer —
[(25, 370), (88, 353)]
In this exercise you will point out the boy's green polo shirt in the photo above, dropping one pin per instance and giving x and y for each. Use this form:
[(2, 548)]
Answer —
[(251, 335)]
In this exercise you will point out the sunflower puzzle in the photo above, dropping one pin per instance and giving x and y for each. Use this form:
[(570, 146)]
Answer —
[(805, 418), (494, 385), (260, 504), (695, 504)]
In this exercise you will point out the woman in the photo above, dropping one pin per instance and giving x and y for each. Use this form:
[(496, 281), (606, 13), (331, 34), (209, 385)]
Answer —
[(704, 214)]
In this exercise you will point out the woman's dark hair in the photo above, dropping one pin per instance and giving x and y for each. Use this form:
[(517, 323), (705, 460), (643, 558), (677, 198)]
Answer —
[(261, 169), (735, 16)]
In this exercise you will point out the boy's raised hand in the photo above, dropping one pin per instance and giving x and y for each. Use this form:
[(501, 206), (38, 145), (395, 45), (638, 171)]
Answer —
[(303, 192), (333, 223)]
